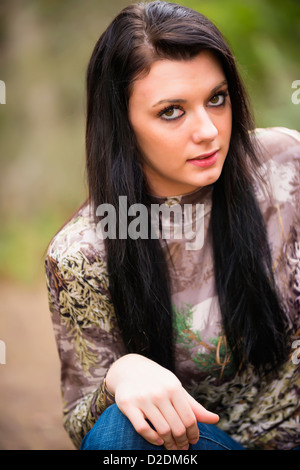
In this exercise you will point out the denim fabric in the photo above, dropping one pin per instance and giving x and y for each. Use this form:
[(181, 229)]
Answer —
[(113, 431)]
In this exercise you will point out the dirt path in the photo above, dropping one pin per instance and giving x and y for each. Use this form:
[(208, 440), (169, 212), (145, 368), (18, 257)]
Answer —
[(30, 402)]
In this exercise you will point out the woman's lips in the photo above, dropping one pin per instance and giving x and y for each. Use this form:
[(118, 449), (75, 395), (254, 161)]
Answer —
[(205, 160)]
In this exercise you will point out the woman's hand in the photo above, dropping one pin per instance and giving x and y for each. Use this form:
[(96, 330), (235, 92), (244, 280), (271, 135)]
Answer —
[(144, 390)]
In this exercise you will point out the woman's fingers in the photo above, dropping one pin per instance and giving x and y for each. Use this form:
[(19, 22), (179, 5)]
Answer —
[(142, 427), (177, 437), (174, 420), (162, 432), (187, 416), (202, 414), (169, 429)]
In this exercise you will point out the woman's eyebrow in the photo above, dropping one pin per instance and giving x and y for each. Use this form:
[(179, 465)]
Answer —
[(180, 100), (170, 101), (224, 82)]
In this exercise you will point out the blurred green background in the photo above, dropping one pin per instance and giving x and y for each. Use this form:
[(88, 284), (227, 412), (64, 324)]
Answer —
[(45, 46)]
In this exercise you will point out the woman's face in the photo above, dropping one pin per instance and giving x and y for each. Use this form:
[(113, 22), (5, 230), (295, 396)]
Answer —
[(181, 115)]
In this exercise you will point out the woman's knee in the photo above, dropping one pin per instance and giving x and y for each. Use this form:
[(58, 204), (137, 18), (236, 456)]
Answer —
[(104, 432), (114, 431), (213, 438)]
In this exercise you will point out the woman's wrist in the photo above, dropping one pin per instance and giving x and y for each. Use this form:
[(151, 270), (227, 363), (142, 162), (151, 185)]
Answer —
[(108, 395), (121, 369)]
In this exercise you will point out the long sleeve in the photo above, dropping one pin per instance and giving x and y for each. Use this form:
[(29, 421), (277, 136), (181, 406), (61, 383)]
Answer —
[(85, 330)]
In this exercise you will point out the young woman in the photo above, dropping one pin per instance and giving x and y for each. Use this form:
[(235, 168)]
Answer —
[(178, 339)]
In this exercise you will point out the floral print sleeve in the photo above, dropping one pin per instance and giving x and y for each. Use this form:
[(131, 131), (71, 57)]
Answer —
[(84, 326)]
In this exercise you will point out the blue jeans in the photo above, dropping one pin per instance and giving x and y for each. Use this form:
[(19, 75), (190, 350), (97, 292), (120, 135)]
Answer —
[(114, 431)]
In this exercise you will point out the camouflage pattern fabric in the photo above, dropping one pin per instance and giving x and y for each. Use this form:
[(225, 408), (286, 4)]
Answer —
[(260, 414)]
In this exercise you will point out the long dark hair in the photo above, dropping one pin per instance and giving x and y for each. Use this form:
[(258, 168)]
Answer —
[(253, 319)]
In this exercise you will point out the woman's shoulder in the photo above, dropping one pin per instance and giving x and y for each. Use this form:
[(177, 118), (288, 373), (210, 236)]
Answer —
[(279, 151), (278, 143), (278, 132), (77, 238)]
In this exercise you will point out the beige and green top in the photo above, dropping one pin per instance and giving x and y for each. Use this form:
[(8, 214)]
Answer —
[(258, 414)]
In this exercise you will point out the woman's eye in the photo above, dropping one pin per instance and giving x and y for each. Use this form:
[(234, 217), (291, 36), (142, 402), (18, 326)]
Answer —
[(171, 113), (218, 99)]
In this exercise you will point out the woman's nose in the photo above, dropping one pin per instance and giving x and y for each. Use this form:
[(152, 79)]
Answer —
[(203, 127)]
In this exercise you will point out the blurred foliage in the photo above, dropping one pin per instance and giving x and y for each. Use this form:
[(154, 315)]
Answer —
[(264, 36), (45, 46)]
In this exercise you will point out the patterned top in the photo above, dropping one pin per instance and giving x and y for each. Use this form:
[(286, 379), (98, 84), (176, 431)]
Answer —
[(257, 413)]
